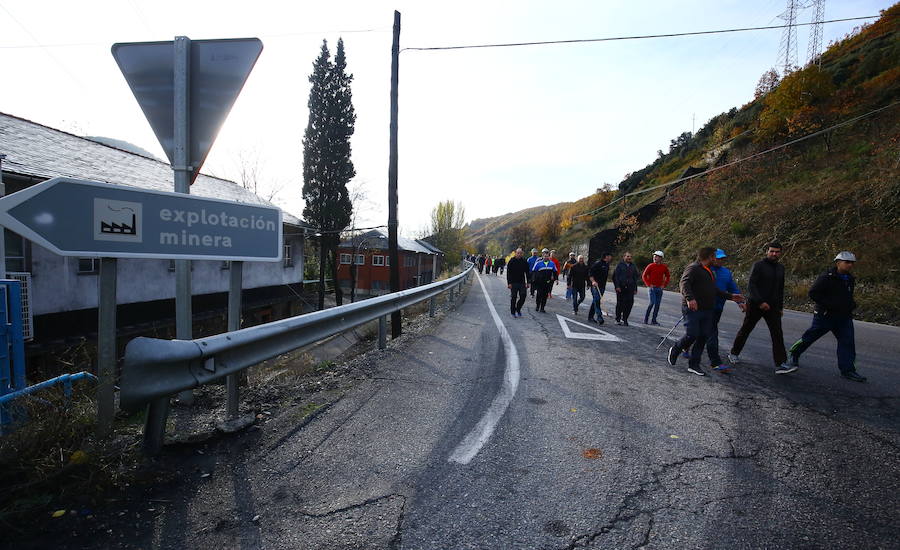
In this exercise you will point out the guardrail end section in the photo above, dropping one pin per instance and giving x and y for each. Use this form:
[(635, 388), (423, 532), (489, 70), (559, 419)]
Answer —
[(156, 368)]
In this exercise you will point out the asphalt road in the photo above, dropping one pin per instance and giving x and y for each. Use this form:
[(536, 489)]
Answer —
[(601, 445)]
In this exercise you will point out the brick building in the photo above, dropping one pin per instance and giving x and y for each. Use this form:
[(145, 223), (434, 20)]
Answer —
[(420, 263)]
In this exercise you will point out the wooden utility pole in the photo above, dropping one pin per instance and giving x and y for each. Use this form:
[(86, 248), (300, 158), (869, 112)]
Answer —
[(392, 176)]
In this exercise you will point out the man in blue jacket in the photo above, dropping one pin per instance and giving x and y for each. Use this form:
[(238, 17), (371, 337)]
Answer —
[(531, 259), (725, 282), (833, 295)]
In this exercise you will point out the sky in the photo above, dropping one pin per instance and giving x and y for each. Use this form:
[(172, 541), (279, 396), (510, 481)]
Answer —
[(497, 130)]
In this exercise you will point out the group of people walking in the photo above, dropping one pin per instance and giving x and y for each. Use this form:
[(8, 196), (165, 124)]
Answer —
[(705, 285), (488, 264)]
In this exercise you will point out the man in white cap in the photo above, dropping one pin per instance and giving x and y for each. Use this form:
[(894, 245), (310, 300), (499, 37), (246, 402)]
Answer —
[(656, 276), (833, 295)]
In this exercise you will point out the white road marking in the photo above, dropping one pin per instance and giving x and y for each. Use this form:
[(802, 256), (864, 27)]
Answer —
[(601, 334), (481, 433)]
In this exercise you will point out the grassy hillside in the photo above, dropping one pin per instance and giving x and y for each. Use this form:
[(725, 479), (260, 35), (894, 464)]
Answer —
[(835, 186)]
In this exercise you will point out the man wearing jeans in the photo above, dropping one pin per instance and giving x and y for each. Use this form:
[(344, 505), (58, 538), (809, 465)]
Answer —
[(833, 295), (656, 276), (597, 275), (578, 276), (699, 292)]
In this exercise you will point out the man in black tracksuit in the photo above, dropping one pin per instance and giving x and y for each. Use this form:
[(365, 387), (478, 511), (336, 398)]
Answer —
[(765, 300), (698, 304), (576, 280), (833, 295), (625, 279), (598, 275), (543, 273), (518, 279)]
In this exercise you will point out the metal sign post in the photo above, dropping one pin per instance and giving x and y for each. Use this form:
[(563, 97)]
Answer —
[(106, 346), (234, 323), (183, 172)]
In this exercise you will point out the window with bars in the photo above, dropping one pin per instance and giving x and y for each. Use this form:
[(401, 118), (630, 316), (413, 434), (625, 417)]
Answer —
[(15, 252), (345, 258), (360, 259), (288, 258), (378, 260)]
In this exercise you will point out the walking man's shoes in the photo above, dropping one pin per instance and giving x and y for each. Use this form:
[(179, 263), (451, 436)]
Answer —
[(785, 368), (696, 370), (653, 322), (733, 359), (673, 355), (795, 360), (722, 368), (853, 375)]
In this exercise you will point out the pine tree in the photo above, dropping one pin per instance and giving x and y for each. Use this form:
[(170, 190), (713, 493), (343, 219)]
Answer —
[(327, 167)]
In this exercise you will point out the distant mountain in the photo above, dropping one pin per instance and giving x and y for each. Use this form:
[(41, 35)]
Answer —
[(123, 145)]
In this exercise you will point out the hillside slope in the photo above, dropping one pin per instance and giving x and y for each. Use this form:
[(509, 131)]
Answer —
[(813, 161)]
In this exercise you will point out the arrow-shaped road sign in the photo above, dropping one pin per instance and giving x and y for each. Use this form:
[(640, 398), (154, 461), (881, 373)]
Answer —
[(218, 70), (84, 218)]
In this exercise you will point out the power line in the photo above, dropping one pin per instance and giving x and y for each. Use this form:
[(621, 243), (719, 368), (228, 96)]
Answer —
[(761, 153), (637, 37)]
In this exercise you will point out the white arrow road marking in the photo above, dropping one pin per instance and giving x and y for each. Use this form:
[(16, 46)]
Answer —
[(601, 334), (481, 433)]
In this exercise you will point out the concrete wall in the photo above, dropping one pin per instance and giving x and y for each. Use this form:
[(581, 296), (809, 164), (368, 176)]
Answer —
[(57, 286)]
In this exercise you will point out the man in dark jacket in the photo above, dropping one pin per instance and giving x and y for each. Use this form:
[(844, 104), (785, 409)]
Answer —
[(625, 279), (598, 274), (699, 293), (518, 279), (833, 295), (765, 300), (578, 276)]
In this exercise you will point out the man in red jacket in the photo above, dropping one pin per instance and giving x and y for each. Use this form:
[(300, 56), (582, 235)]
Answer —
[(656, 276)]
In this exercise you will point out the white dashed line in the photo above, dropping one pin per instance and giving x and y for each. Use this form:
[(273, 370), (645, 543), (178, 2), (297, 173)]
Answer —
[(481, 433)]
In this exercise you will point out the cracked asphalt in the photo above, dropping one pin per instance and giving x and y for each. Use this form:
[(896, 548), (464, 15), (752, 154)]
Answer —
[(605, 445)]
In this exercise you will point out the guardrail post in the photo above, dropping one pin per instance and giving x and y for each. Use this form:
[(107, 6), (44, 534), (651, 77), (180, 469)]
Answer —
[(155, 425), (382, 332), (431, 305)]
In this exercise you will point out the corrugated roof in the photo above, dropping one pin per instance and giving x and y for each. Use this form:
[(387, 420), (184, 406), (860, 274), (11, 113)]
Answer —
[(39, 151), (378, 238)]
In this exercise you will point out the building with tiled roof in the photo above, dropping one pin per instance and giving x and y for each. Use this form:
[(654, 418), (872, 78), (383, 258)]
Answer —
[(63, 290), (367, 254)]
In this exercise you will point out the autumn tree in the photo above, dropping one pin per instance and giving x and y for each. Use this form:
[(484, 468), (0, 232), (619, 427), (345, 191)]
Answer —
[(794, 106), (448, 220), (548, 227), (767, 82), (521, 235), (327, 167)]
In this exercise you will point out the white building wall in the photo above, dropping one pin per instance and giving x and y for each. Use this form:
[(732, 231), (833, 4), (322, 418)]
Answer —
[(57, 286)]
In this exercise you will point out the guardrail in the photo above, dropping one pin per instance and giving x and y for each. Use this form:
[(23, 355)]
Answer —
[(156, 369)]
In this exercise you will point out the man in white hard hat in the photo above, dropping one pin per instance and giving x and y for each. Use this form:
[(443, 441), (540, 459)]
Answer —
[(833, 295), (656, 276)]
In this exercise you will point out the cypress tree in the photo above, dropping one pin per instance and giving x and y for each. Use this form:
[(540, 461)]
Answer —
[(327, 167)]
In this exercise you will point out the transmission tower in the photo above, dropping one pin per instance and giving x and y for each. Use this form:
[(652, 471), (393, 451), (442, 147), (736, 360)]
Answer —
[(787, 53), (814, 54)]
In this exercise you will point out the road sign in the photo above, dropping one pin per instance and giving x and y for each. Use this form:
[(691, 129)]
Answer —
[(218, 70), (84, 218)]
